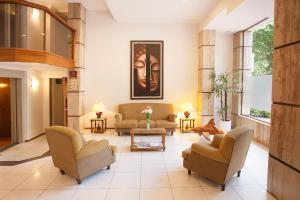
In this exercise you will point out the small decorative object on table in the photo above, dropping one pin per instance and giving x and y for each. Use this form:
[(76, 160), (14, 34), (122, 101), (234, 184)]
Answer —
[(187, 108), (99, 114), (99, 108), (148, 111), (207, 130)]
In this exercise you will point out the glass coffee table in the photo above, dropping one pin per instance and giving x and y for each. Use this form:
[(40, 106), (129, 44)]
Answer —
[(148, 146)]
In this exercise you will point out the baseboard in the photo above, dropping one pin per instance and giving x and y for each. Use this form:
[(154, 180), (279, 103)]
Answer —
[(35, 137)]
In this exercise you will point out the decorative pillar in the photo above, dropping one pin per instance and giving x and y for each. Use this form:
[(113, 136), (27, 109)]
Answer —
[(76, 19), (242, 63), (284, 159), (206, 66)]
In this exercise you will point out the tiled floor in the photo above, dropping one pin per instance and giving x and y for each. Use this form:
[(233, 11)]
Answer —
[(139, 175)]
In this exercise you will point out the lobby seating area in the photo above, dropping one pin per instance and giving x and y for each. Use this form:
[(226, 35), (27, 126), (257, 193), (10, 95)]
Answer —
[(134, 175), (149, 100), (130, 116)]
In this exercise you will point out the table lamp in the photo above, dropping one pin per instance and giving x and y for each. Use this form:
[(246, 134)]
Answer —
[(99, 108), (187, 108)]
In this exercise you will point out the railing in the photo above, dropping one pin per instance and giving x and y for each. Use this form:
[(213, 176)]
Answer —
[(34, 27)]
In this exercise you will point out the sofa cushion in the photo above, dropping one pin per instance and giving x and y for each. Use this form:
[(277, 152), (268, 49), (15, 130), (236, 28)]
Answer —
[(165, 124), (127, 123), (162, 111), (143, 124), (128, 111)]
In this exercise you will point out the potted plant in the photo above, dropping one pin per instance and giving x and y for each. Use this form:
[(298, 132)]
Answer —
[(222, 85)]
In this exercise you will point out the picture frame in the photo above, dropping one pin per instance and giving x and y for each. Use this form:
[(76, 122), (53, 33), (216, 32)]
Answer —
[(146, 69)]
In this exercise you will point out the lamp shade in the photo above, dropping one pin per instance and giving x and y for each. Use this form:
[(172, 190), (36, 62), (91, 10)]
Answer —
[(187, 107), (98, 107)]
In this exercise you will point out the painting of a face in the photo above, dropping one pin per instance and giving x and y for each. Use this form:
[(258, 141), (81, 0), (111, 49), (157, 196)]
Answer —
[(146, 70)]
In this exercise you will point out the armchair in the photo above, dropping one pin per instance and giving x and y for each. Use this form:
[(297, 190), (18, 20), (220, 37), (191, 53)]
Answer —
[(220, 159), (76, 157)]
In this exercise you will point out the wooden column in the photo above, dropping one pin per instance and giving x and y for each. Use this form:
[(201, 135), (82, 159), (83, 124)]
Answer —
[(76, 18), (206, 66), (242, 63), (284, 159)]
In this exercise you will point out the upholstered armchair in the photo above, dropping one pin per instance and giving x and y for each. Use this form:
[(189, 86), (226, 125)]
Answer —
[(76, 157), (222, 158)]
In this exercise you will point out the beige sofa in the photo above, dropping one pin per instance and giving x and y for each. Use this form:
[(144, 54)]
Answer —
[(221, 159), (130, 116), (76, 157)]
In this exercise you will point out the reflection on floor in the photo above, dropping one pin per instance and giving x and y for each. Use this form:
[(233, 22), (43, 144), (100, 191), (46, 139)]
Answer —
[(139, 175), (4, 142)]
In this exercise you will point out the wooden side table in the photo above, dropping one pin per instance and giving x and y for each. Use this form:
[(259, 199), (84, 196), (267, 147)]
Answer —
[(186, 124), (98, 125)]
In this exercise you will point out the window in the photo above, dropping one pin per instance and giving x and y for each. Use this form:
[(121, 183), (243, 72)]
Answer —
[(257, 81)]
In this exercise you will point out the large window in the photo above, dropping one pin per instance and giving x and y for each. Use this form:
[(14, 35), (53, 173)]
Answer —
[(257, 82)]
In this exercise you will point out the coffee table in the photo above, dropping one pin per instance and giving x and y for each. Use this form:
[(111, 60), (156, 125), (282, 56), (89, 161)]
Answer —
[(142, 146)]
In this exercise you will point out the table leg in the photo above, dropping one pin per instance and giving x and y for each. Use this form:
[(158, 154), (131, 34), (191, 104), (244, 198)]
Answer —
[(105, 124), (102, 127), (91, 126), (132, 140), (163, 138), (180, 126)]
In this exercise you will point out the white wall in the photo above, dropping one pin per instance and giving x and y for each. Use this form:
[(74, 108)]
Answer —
[(107, 61), (35, 100), (224, 61)]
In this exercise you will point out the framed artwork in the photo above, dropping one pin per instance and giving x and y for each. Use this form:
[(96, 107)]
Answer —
[(146, 70)]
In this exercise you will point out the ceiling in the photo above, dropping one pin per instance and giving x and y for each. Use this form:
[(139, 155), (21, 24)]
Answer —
[(246, 14), (160, 11), (221, 15)]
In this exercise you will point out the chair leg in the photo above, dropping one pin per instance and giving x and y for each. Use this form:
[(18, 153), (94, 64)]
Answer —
[(62, 171), (189, 172), (172, 133), (223, 187), (239, 173), (78, 181), (108, 167), (119, 133)]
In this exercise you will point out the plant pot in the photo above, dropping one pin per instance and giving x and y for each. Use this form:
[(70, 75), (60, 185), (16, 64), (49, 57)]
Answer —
[(224, 125)]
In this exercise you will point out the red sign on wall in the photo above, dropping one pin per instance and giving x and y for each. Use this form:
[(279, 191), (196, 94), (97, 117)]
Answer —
[(72, 74)]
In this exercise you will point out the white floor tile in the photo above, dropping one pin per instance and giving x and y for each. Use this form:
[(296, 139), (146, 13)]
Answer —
[(182, 179), (135, 175), (175, 166), (23, 194), (11, 181), (157, 156), (155, 180), (97, 180), (128, 167), (90, 194), (188, 193), (215, 193), (251, 192), (3, 193), (151, 166), (38, 181), (157, 194), (56, 195), (63, 182), (122, 194), (125, 180)]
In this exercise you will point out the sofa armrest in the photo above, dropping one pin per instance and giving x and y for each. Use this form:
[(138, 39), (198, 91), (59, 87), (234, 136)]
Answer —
[(172, 117), (93, 147), (118, 117), (208, 152), (217, 141)]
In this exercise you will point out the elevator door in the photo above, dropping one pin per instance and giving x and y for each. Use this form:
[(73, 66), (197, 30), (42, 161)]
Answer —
[(5, 112)]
